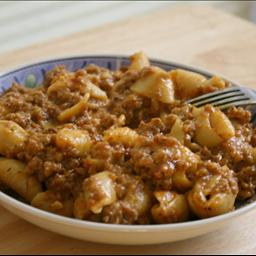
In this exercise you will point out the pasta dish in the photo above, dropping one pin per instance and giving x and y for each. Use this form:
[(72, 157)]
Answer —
[(124, 147)]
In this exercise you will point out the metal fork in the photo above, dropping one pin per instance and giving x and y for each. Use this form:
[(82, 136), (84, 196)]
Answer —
[(233, 96)]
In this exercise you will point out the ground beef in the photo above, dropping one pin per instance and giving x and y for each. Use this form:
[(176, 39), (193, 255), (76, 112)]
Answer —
[(142, 160)]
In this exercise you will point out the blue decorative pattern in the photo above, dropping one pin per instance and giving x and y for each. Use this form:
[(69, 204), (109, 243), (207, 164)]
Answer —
[(33, 75)]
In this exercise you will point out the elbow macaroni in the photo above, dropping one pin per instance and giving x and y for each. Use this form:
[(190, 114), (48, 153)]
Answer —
[(155, 83), (123, 146), (177, 130), (12, 137), (213, 127), (138, 197), (171, 208), (78, 140), (190, 84), (187, 84), (95, 91), (123, 135), (206, 200), (72, 112), (138, 61), (48, 201), (98, 191), (13, 174)]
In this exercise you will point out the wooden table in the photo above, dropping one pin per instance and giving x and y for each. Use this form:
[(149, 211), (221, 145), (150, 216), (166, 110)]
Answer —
[(199, 36)]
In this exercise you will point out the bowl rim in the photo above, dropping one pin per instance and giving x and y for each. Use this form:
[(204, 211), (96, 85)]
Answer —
[(68, 221), (42, 61), (15, 203)]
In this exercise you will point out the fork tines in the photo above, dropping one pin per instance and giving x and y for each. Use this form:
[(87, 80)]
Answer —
[(224, 98)]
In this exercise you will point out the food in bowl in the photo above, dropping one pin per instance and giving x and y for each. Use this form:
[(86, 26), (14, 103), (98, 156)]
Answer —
[(124, 147)]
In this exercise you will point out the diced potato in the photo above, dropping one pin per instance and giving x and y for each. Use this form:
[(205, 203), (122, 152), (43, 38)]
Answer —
[(123, 135), (49, 202), (177, 130), (155, 83), (13, 174), (73, 138), (98, 192), (172, 208), (138, 61), (12, 137), (187, 84), (74, 111)]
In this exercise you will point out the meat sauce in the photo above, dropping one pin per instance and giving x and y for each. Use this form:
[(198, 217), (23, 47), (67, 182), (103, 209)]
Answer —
[(123, 147)]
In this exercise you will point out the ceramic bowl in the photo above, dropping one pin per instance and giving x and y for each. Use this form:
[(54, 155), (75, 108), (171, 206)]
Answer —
[(31, 76)]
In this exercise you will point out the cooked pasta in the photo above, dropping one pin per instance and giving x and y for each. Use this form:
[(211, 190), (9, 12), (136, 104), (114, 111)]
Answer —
[(172, 207), (177, 130), (78, 141), (13, 174), (54, 203), (98, 191), (154, 83), (123, 147), (138, 61), (124, 135), (75, 110), (12, 137)]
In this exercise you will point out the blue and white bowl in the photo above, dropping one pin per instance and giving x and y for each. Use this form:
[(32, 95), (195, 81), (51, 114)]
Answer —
[(33, 75)]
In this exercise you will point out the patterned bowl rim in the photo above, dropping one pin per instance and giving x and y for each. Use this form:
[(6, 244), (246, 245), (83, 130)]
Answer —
[(27, 65), (4, 198)]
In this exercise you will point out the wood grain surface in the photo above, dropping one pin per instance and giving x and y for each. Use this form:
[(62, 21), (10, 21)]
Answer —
[(198, 36)]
